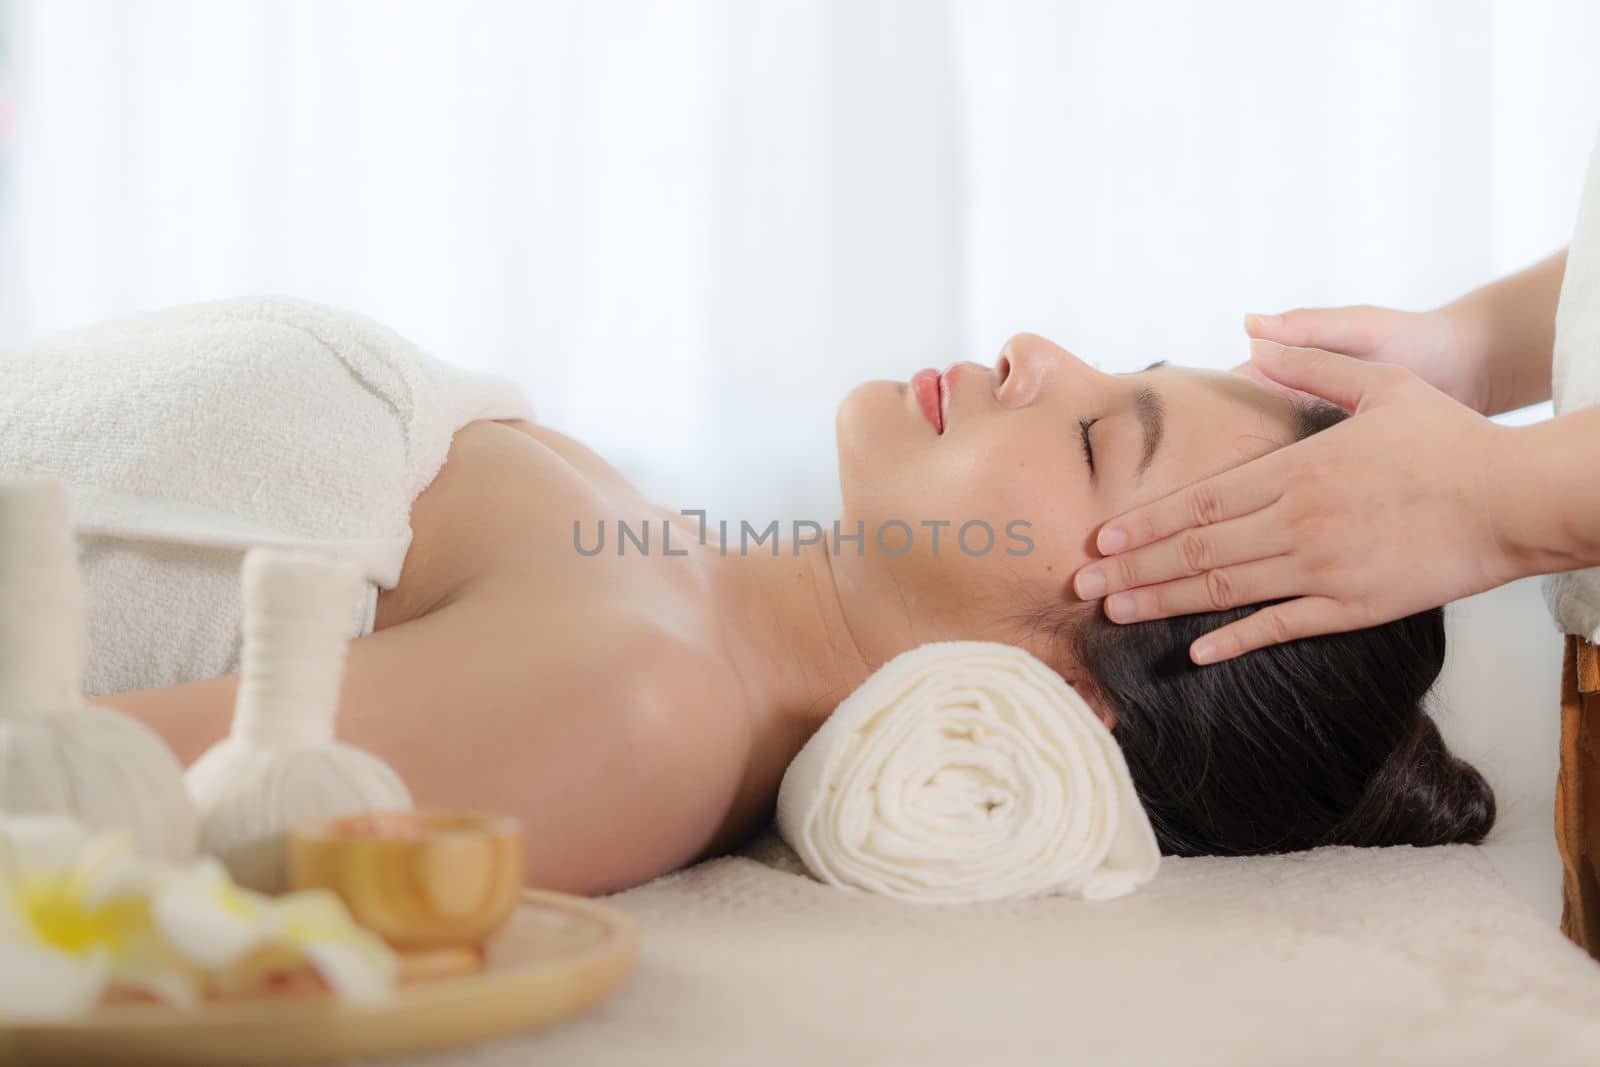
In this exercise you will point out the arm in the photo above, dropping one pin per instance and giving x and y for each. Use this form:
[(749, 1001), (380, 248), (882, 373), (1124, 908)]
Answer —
[(616, 776), (1508, 328), (1546, 509)]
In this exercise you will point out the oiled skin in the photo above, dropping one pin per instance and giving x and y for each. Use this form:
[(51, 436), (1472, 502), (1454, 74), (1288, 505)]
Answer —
[(589, 696)]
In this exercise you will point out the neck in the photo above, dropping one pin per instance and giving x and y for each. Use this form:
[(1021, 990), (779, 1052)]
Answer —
[(787, 633)]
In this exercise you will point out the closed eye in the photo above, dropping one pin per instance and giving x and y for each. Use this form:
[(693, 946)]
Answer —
[(1088, 446)]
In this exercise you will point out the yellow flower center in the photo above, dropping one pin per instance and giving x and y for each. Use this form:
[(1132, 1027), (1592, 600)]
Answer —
[(236, 903), (56, 910)]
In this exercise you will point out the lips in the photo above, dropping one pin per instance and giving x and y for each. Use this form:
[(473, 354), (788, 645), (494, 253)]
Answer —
[(947, 382), (928, 387)]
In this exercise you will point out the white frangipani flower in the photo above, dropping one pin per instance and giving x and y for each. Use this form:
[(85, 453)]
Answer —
[(82, 916), (210, 920), (74, 919), (242, 936), (357, 964)]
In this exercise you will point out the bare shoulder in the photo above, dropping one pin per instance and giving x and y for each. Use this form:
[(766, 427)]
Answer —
[(685, 736), (673, 687), (622, 747), (449, 526), (586, 654), (474, 516)]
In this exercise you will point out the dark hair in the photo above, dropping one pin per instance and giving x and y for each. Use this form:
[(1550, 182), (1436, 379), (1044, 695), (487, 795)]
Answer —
[(1320, 741)]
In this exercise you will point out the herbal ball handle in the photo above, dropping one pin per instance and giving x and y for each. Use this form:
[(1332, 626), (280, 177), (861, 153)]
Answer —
[(297, 611), (44, 641)]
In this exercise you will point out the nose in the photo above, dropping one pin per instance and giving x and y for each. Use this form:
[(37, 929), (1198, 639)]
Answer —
[(1026, 363)]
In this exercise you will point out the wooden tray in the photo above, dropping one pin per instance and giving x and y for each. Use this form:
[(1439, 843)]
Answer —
[(556, 956)]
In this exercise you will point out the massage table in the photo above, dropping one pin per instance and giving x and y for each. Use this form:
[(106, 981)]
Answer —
[(1337, 956)]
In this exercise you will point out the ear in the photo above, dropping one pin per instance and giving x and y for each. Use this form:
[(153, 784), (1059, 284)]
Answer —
[(1056, 654), (1080, 681), (1107, 717)]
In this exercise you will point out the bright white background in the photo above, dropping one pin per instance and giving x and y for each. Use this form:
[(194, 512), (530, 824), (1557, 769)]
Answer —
[(688, 228)]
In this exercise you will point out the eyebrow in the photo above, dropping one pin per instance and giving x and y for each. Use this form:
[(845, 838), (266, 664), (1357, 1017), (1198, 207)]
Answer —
[(1152, 420), (1152, 415)]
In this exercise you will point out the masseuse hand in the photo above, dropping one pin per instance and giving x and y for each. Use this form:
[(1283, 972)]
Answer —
[(1382, 515), (1432, 344)]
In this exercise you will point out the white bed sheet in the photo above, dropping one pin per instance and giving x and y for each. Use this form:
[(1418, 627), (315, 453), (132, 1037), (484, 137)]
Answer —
[(1339, 956)]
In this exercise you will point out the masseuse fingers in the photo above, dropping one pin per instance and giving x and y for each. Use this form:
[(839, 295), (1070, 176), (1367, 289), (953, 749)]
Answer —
[(1215, 590), (1343, 380), (1306, 616), (1240, 491), (1344, 329), (1248, 369), (1258, 535)]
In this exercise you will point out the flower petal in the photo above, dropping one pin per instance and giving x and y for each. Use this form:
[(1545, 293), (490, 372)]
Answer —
[(108, 868), (208, 919), (39, 984), (356, 970), (357, 964), (153, 967), (40, 843)]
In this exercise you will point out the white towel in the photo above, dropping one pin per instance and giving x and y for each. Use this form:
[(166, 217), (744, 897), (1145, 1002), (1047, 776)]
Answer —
[(1400, 957), (189, 434), (967, 771)]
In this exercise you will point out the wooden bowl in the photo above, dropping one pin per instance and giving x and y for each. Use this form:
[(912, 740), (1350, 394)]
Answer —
[(425, 881)]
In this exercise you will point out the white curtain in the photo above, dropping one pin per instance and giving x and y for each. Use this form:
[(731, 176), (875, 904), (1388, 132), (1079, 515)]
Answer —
[(687, 228)]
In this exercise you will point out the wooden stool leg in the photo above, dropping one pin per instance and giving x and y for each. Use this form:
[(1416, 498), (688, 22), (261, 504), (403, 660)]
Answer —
[(1578, 794)]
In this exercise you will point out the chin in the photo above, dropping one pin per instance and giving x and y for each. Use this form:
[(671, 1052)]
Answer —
[(875, 430), (870, 415)]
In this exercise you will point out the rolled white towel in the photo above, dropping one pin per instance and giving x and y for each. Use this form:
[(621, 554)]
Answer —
[(966, 771)]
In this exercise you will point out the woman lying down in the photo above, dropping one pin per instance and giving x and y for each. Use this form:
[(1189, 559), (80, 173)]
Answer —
[(637, 705)]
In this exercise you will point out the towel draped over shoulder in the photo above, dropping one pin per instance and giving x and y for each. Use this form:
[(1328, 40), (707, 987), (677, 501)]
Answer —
[(191, 433)]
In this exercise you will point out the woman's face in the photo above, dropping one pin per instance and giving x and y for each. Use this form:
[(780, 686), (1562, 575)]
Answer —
[(1022, 463)]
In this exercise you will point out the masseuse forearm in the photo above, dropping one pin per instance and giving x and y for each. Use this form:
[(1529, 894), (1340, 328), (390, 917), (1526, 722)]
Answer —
[(1544, 494), (1509, 326)]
